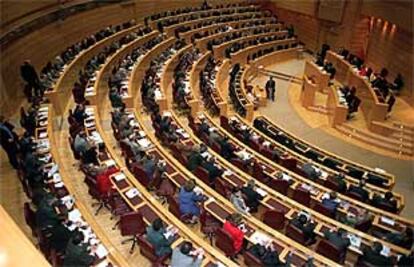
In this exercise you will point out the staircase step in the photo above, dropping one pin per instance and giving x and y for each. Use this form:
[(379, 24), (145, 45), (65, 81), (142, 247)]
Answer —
[(375, 140)]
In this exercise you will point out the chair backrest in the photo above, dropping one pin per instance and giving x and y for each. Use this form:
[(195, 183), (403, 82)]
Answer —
[(295, 233), (225, 242), (302, 196), (132, 223), (330, 251), (274, 219), (280, 185), (364, 226), (140, 174), (355, 195), (224, 122), (322, 209), (174, 207), (329, 183), (222, 188), (250, 260), (147, 249), (202, 174)]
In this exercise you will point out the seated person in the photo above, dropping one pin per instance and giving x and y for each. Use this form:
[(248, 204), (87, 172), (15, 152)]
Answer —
[(237, 200), (227, 150), (268, 255), (213, 170), (331, 203), (406, 260), (404, 239), (310, 170), (186, 256), (353, 219), (79, 114), (232, 226), (360, 190), (306, 226), (46, 215), (155, 235), (340, 181), (388, 200), (194, 159), (188, 200), (373, 256), (149, 164), (77, 253), (398, 83), (338, 239), (252, 197)]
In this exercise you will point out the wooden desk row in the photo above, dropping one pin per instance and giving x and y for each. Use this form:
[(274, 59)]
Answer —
[(139, 199), (196, 11), (291, 207), (337, 107), (105, 71), (238, 12), (403, 222), (220, 50), (317, 74), (240, 25), (59, 184), (351, 168), (60, 94), (372, 107)]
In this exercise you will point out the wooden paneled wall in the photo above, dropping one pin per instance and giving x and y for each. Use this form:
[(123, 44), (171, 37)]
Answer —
[(392, 47)]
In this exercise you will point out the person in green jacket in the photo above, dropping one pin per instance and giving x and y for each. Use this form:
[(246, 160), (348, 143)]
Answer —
[(77, 253), (155, 235), (194, 159)]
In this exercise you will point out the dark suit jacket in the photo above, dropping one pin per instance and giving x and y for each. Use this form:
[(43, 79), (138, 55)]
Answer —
[(307, 228), (252, 197), (376, 259), (77, 255), (360, 191), (338, 241)]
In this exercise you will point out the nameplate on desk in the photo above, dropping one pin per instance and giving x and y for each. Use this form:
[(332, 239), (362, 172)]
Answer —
[(261, 192), (387, 221), (119, 177)]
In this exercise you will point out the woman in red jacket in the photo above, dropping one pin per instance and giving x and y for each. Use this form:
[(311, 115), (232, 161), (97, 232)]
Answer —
[(231, 226)]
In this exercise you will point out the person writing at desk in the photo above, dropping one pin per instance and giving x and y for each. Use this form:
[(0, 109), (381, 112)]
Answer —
[(189, 199), (186, 256), (252, 197), (306, 225), (156, 235), (77, 253), (372, 255)]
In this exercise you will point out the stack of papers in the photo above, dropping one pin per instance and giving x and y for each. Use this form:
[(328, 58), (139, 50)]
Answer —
[(131, 193), (101, 251), (74, 216), (119, 177), (260, 238), (261, 192), (387, 220), (355, 240), (144, 142)]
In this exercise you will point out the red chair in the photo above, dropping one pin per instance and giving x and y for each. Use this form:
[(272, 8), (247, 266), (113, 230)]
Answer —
[(140, 174), (222, 188), (274, 219), (250, 260), (296, 234), (364, 226), (202, 174), (331, 185), (321, 209), (330, 251), (225, 242), (132, 224), (302, 196), (355, 196), (279, 185), (30, 218), (224, 122), (208, 224), (148, 251)]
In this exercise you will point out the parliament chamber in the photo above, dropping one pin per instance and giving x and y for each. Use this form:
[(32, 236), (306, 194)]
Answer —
[(207, 133)]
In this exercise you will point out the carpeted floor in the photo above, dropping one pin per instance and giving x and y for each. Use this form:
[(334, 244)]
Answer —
[(283, 113)]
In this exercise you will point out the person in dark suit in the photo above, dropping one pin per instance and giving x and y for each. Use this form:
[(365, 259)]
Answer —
[(338, 239), (406, 260), (227, 150), (340, 180), (269, 256), (372, 255), (29, 75), (77, 253), (252, 197), (79, 114), (401, 239), (155, 235), (213, 170), (331, 203), (310, 171), (270, 89), (194, 159), (388, 200), (360, 190), (306, 226), (8, 140)]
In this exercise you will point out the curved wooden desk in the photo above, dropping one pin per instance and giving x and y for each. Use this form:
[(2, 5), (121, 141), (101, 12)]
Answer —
[(372, 105), (109, 64), (337, 109), (341, 163), (276, 56), (145, 203), (46, 132), (62, 90), (293, 207), (320, 76)]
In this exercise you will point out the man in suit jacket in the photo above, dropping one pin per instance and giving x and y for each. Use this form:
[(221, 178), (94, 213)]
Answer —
[(213, 170), (331, 203), (8, 140), (77, 254), (185, 256), (310, 171), (338, 239), (360, 190), (270, 89), (155, 235), (252, 197), (372, 255), (301, 222), (29, 75), (388, 200)]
